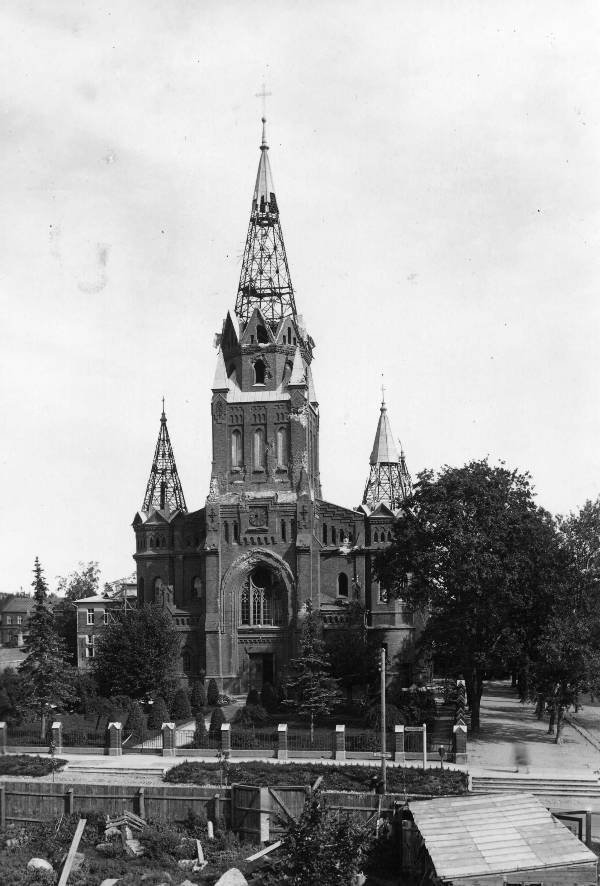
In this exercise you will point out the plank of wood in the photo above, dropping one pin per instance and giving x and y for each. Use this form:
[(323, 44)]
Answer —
[(265, 851), (71, 853)]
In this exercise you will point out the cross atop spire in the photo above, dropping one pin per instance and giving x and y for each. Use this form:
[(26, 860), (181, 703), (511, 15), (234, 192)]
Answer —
[(265, 281), (164, 491), (389, 482)]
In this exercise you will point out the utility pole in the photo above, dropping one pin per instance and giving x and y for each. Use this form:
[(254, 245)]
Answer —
[(383, 734)]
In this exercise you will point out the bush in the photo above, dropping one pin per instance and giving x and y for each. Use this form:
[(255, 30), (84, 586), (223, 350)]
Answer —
[(180, 709), (23, 764), (136, 722), (216, 721), (159, 713), (198, 698), (417, 705), (253, 697), (250, 715), (163, 844), (393, 717), (212, 693), (268, 697)]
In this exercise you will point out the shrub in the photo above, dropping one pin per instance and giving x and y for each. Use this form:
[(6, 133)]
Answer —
[(180, 709), (250, 715), (23, 764), (253, 697), (159, 713), (162, 843), (136, 722), (216, 721), (212, 693), (268, 697), (393, 717), (198, 697)]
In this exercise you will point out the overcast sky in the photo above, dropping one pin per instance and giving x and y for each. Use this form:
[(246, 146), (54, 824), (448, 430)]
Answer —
[(436, 167)]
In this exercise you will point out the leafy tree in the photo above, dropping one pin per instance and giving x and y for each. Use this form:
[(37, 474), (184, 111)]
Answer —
[(320, 848), (216, 721), (135, 724), (314, 692), (354, 651), (268, 697), (137, 653), (198, 698), (212, 693), (483, 562), (47, 682), (159, 713), (81, 583), (180, 708)]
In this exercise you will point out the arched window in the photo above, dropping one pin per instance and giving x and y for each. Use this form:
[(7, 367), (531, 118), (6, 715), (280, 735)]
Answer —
[(287, 372), (283, 531), (236, 448), (259, 449), (389, 538), (259, 373), (197, 590), (261, 599), (342, 584), (333, 536), (226, 532), (281, 448), (324, 533), (158, 583), (261, 335), (186, 660), (236, 532), (375, 537)]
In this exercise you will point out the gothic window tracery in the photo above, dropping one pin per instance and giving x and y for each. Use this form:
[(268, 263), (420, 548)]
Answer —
[(261, 600), (259, 449), (236, 448), (281, 448)]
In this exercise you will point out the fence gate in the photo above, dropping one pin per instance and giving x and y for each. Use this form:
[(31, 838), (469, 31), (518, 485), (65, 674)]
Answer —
[(262, 814), (415, 742)]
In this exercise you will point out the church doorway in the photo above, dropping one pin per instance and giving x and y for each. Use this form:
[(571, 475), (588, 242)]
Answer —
[(261, 670)]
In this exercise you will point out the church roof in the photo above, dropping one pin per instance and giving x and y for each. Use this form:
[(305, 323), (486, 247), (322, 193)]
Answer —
[(163, 491), (220, 382), (384, 449), (298, 376), (264, 190)]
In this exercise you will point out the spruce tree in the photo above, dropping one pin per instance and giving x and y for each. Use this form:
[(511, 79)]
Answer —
[(180, 709), (198, 699), (136, 722), (216, 721), (159, 713), (314, 691), (47, 678), (212, 694)]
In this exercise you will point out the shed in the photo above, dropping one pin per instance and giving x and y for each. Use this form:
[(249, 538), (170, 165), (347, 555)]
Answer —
[(498, 839)]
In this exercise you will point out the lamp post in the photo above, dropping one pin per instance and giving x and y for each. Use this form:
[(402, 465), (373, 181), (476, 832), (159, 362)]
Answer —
[(383, 733)]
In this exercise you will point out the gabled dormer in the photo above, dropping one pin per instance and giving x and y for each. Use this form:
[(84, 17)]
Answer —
[(257, 331)]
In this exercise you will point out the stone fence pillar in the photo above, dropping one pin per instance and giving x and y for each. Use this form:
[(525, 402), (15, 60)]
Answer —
[(399, 753), (57, 736), (168, 739), (114, 739), (226, 738), (459, 742), (282, 743), (3, 737), (340, 742)]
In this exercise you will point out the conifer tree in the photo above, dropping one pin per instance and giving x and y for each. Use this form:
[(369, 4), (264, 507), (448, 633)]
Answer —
[(314, 691), (47, 678), (159, 713), (212, 693), (136, 722), (180, 709), (216, 721), (198, 699)]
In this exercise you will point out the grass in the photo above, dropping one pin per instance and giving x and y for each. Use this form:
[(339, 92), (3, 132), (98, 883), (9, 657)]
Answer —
[(25, 764), (431, 782)]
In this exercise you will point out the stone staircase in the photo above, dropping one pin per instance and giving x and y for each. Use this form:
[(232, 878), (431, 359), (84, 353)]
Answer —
[(584, 787)]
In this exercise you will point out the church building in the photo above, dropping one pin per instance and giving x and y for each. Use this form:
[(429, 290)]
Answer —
[(236, 573)]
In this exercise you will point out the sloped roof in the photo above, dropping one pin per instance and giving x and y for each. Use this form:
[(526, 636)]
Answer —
[(17, 604), (384, 449), (298, 372), (494, 834), (220, 382)]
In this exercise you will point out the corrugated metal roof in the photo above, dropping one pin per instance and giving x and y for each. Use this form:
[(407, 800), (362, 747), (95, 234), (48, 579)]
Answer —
[(473, 836)]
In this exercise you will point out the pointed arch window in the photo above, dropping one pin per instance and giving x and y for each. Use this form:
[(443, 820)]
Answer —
[(236, 448), (283, 531), (324, 533), (197, 591), (261, 599), (261, 335), (259, 372), (259, 449), (333, 536), (342, 583), (281, 448), (158, 583)]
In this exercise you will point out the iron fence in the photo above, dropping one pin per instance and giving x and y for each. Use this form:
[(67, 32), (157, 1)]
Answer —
[(28, 736), (365, 741), (248, 739), (192, 738), (146, 744), (85, 738), (301, 741)]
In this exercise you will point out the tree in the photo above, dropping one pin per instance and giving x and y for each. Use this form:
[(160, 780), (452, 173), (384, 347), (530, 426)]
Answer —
[(181, 709), (216, 721), (354, 652), (320, 848), (314, 692), (212, 693), (483, 561), (135, 724), (137, 653), (159, 713), (47, 681), (11, 693), (81, 583), (198, 698)]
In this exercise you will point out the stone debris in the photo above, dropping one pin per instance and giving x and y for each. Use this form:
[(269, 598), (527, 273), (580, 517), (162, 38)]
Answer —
[(123, 826), (39, 864), (232, 877)]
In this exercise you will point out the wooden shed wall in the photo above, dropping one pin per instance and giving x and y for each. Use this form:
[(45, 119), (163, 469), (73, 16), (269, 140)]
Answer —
[(563, 875)]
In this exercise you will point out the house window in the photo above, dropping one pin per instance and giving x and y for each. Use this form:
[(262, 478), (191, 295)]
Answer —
[(259, 448), (90, 616), (19, 619), (105, 617), (236, 448), (9, 619), (281, 448), (259, 372), (383, 594), (90, 646), (342, 584), (260, 600)]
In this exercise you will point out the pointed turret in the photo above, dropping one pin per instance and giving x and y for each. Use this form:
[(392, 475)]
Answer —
[(265, 278), (389, 482), (164, 492)]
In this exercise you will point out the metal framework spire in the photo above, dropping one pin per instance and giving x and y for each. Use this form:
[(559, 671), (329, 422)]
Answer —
[(164, 491), (389, 482), (265, 281)]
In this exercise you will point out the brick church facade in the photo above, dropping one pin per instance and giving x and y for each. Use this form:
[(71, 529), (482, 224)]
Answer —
[(236, 573)]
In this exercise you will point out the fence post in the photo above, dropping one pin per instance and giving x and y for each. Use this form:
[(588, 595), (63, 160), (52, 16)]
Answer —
[(340, 742), (3, 737), (141, 803), (265, 808), (69, 804), (399, 753), (2, 806), (168, 739), (459, 742), (424, 746), (57, 736), (115, 748), (226, 737), (282, 745)]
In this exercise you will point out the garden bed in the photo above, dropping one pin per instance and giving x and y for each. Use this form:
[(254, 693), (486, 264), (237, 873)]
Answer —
[(34, 766)]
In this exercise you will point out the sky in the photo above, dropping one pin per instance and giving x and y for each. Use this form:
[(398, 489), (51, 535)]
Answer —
[(436, 168)]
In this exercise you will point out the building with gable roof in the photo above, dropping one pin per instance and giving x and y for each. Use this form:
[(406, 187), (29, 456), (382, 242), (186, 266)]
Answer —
[(236, 573)]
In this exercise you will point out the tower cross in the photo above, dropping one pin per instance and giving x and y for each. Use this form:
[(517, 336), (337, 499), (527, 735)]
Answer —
[(264, 95)]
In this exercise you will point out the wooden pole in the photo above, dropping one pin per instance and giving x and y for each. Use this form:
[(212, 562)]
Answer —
[(383, 735), (71, 854)]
